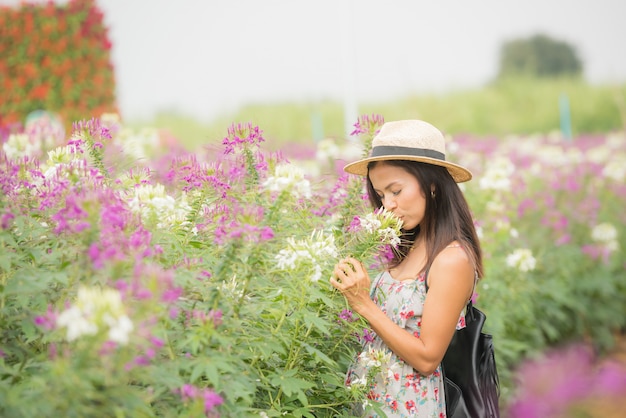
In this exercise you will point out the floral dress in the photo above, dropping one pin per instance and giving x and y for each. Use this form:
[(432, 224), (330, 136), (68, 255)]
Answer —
[(399, 390)]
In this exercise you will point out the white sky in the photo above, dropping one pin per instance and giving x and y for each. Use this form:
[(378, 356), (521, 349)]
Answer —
[(208, 57)]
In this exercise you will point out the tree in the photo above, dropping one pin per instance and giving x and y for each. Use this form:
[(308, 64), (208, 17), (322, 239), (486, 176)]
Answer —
[(539, 56)]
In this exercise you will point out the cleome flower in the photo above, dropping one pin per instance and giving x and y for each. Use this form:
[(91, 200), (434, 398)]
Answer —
[(19, 145), (288, 177), (96, 310), (521, 259), (498, 175), (376, 229), (313, 251), (605, 234), (156, 206)]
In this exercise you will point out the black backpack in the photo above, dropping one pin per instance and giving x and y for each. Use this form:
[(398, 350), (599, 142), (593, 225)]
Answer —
[(471, 382)]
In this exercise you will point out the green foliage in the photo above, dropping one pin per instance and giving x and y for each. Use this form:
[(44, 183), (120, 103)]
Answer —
[(118, 298), (550, 197), (224, 274), (539, 56)]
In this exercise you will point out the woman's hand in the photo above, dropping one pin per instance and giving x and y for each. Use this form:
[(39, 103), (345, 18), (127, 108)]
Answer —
[(353, 281)]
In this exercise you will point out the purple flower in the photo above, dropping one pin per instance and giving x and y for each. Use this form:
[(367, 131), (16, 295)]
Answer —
[(368, 125), (48, 320), (211, 400), (216, 315), (188, 391), (355, 225), (550, 385), (368, 336), (5, 220), (240, 136), (108, 347), (94, 129), (266, 234), (156, 342), (347, 316), (611, 379), (171, 295)]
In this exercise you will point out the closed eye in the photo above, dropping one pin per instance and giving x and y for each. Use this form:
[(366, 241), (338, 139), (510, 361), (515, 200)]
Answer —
[(382, 197)]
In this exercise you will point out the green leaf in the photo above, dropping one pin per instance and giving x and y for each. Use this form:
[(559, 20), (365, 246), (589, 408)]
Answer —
[(320, 324), (319, 355)]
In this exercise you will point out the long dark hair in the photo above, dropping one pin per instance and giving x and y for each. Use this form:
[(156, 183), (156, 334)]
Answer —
[(447, 216)]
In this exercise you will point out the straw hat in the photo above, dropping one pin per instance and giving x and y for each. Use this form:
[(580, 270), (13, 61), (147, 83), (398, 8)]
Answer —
[(412, 140)]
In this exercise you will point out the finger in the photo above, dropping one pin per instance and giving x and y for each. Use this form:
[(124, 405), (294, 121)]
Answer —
[(348, 264), (341, 271), (354, 263), (335, 283)]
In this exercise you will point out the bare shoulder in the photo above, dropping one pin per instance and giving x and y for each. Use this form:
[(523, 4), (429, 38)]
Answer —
[(453, 266), (453, 255)]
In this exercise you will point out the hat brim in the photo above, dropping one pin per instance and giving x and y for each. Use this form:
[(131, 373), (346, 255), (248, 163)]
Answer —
[(458, 173)]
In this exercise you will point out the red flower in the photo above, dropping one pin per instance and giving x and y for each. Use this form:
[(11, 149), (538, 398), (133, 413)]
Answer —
[(40, 92)]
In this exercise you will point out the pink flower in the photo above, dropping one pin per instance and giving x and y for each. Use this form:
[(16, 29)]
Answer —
[(240, 136), (368, 125), (48, 320), (171, 295), (5, 220)]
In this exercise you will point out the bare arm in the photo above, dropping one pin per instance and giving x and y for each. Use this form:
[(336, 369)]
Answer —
[(451, 279)]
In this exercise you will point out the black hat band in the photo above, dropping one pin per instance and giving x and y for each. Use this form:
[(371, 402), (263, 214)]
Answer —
[(387, 150)]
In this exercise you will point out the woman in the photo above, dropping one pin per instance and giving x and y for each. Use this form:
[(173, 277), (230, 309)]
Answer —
[(415, 305)]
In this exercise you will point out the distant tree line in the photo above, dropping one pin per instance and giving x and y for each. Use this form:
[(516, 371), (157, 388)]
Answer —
[(539, 56)]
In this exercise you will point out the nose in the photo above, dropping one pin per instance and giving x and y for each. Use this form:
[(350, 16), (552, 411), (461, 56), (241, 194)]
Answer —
[(389, 203)]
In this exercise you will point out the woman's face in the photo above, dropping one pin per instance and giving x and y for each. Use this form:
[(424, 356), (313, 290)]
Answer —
[(400, 193)]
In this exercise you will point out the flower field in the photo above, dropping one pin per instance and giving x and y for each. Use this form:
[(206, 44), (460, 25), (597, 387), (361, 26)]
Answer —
[(139, 279)]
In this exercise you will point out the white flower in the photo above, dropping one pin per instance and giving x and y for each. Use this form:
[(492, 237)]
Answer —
[(391, 236), (522, 259), (326, 149), (120, 329), (497, 176), (495, 206), (370, 223), (503, 224), (156, 206), (96, 309), (359, 381), (139, 145), (604, 232), (62, 155), (313, 251), (288, 177), (19, 145), (76, 323), (615, 169), (384, 224), (232, 288), (286, 258)]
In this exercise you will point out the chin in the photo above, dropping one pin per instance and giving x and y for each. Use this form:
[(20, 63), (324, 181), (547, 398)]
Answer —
[(408, 227)]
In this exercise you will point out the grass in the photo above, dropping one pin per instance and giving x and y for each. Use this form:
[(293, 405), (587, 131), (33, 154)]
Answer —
[(520, 106)]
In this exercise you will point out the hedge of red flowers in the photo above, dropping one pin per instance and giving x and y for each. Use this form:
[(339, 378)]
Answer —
[(57, 58)]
